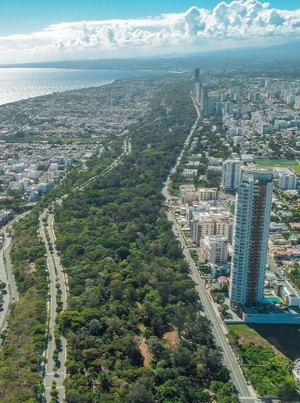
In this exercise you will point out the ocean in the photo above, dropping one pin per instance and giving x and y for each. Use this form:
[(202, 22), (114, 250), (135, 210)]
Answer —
[(23, 83)]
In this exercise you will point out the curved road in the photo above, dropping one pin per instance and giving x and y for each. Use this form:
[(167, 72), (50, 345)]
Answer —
[(58, 280), (246, 392), (7, 277), (6, 273)]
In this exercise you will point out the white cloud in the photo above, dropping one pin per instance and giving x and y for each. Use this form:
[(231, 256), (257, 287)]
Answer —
[(235, 24)]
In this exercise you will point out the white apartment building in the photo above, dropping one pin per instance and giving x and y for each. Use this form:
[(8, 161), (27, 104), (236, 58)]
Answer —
[(189, 174), (209, 225), (287, 181), (205, 194), (297, 102), (231, 175), (214, 250), (188, 194)]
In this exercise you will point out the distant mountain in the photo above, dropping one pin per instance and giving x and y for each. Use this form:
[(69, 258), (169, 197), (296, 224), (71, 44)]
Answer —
[(249, 58)]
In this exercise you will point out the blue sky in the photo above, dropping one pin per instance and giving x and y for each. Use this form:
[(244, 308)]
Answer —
[(19, 16), (42, 30)]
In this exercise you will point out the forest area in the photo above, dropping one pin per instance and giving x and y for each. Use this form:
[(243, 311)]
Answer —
[(134, 326)]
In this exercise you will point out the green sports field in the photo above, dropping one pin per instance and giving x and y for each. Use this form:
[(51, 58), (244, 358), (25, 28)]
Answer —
[(274, 163)]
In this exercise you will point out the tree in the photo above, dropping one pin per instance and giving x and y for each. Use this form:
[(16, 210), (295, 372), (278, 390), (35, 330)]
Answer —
[(141, 392), (169, 391), (94, 327)]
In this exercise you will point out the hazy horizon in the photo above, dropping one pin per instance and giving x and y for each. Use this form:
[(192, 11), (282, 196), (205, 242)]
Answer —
[(110, 30)]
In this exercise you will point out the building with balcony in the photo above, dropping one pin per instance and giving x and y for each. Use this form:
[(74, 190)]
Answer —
[(251, 233)]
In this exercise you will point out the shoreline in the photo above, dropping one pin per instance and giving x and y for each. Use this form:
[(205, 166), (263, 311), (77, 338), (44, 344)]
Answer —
[(92, 111), (11, 103), (59, 82)]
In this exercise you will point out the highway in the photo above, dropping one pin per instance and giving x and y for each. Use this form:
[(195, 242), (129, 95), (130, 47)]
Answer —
[(245, 391), (6, 277), (6, 273), (57, 277), (57, 280)]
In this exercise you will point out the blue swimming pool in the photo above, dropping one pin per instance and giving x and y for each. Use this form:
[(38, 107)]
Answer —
[(271, 300)]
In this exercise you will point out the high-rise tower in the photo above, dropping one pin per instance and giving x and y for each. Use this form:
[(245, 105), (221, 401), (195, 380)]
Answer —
[(251, 233), (203, 100), (197, 85)]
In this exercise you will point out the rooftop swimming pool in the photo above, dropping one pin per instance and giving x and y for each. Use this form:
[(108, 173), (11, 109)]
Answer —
[(271, 300)]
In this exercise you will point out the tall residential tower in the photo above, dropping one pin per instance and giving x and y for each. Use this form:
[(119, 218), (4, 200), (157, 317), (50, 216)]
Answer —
[(251, 233), (197, 85)]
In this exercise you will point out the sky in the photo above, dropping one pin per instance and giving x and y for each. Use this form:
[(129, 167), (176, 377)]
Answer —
[(37, 30)]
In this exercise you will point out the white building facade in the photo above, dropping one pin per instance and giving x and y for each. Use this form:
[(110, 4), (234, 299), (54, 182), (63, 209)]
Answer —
[(287, 181), (231, 175), (214, 250), (209, 225)]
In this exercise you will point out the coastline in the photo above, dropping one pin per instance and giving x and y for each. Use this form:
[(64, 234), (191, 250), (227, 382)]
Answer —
[(28, 83), (84, 113), (31, 98)]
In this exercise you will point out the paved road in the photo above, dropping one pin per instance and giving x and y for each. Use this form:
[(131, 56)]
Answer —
[(6, 273), (246, 392), (4, 277), (127, 148), (273, 266), (58, 278)]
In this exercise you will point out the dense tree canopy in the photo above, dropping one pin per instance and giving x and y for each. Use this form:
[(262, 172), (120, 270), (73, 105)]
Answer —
[(134, 329)]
